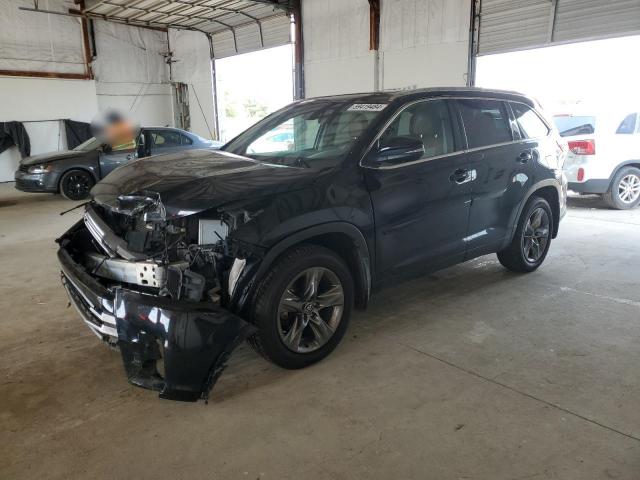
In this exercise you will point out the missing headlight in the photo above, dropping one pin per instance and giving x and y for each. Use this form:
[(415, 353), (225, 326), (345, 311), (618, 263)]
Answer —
[(211, 231)]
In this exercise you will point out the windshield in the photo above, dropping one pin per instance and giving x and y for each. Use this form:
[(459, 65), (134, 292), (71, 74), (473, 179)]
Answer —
[(569, 125), (88, 145), (310, 134)]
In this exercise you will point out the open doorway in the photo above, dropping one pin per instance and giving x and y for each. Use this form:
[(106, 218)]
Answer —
[(251, 86), (601, 73), (591, 92)]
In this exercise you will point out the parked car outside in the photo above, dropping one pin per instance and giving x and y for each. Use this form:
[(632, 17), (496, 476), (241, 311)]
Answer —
[(604, 155), (278, 141), (74, 172), (181, 257)]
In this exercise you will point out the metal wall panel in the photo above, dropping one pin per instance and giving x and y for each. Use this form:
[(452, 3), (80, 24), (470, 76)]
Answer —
[(507, 25), (580, 19), (415, 23)]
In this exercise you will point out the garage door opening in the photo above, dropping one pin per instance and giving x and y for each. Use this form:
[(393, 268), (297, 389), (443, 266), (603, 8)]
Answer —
[(602, 74), (591, 91), (251, 86)]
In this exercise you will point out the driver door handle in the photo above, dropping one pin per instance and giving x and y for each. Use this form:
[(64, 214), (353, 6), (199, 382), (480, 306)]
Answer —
[(462, 175)]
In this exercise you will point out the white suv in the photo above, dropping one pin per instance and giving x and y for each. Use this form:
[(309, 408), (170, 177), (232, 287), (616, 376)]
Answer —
[(614, 171)]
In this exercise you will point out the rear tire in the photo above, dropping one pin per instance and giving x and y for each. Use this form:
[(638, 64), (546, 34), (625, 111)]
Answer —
[(624, 192), (76, 184), (294, 328), (532, 238)]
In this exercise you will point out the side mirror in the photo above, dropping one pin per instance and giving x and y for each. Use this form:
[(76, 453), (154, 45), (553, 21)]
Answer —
[(398, 150)]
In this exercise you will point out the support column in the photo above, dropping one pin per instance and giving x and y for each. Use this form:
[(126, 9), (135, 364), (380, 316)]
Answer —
[(298, 52)]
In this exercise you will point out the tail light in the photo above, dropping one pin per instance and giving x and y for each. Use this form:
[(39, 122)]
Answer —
[(580, 174), (583, 147)]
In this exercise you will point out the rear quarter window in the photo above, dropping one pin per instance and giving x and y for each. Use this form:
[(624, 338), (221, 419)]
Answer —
[(529, 122), (570, 125), (628, 125)]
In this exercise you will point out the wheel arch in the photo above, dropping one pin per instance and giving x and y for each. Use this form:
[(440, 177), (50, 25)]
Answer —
[(628, 163), (343, 238), (549, 190)]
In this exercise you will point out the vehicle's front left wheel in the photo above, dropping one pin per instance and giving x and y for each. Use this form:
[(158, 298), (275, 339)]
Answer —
[(302, 307), (76, 184)]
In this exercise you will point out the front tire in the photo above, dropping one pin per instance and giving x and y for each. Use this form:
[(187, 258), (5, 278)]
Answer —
[(532, 239), (76, 184), (302, 307), (625, 189)]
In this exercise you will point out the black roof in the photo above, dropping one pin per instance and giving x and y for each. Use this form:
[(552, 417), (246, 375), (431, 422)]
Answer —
[(461, 92)]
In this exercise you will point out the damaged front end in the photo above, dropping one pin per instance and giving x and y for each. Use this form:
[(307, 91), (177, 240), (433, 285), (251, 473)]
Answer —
[(158, 289)]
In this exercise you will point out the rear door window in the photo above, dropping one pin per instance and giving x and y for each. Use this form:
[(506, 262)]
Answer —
[(570, 125), (529, 122), (486, 122), (166, 138), (628, 125)]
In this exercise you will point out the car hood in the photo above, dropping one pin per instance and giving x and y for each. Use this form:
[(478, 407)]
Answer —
[(196, 180), (51, 157)]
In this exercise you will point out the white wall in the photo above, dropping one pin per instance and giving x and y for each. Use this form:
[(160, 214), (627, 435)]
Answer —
[(37, 42), (37, 99), (337, 58), (423, 43), (192, 65), (149, 104), (131, 72)]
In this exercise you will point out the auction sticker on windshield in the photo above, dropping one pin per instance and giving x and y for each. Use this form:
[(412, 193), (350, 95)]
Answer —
[(367, 107)]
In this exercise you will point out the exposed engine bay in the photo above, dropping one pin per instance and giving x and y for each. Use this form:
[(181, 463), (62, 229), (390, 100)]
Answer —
[(183, 259)]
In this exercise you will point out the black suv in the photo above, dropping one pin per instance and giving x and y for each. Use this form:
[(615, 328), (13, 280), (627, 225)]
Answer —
[(297, 220)]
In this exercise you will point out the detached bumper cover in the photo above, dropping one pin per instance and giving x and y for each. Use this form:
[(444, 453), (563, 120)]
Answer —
[(189, 343)]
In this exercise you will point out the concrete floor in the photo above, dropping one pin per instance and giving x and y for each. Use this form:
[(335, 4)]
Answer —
[(472, 373)]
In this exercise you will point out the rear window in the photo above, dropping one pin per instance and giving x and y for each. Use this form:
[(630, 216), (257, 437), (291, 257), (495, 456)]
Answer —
[(569, 125)]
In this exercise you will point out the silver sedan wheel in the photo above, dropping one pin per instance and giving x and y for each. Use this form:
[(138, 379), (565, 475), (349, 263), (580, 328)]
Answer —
[(536, 235), (310, 310), (629, 188)]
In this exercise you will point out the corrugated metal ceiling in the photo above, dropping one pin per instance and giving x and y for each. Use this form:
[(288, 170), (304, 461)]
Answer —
[(210, 16)]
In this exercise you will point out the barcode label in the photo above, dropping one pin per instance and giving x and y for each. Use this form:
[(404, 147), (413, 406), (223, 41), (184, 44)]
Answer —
[(367, 107)]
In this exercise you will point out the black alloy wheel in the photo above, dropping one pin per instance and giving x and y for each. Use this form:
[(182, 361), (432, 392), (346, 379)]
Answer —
[(532, 238), (76, 184), (536, 235), (302, 306)]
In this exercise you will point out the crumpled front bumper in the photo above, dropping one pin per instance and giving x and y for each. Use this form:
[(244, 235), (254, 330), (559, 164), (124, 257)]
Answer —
[(177, 348)]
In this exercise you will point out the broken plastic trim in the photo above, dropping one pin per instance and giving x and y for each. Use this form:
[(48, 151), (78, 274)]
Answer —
[(196, 338)]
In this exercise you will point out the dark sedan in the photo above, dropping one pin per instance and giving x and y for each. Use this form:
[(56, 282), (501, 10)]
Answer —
[(73, 172)]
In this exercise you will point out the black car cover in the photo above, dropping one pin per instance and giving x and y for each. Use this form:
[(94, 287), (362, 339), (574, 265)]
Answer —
[(14, 133), (77, 132)]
